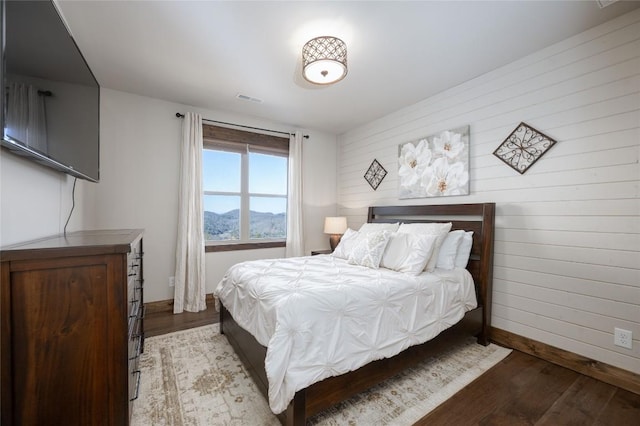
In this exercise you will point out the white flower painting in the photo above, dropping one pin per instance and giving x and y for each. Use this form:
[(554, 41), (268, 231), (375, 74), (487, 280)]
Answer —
[(435, 166)]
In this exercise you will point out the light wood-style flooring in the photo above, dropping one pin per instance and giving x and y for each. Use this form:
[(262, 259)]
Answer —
[(520, 390)]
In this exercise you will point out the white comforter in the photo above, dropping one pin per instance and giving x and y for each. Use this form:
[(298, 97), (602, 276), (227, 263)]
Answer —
[(320, 316)]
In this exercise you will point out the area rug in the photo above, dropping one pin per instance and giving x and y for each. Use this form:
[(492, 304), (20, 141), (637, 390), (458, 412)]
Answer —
[(194, 377)]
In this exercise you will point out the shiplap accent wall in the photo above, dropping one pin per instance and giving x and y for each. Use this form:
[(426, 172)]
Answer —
[(567, 249)]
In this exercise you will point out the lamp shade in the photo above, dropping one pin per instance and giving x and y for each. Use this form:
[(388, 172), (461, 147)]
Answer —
[(324, 60), (335, 225)]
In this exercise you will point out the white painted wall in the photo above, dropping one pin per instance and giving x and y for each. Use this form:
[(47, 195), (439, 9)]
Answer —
[(140, 139), (567, 252), (35, 200)]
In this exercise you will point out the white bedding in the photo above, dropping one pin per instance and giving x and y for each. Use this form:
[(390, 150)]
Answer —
[(320, 316)]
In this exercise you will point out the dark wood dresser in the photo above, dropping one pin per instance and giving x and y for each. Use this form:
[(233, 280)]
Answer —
[(72, 328)]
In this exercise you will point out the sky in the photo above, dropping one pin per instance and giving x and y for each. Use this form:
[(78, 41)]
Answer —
[(267, 175)]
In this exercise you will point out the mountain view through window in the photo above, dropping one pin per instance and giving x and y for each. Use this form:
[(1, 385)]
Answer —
[(235, 182)]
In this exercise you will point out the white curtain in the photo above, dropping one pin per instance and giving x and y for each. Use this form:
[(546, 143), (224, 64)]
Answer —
[(26, 117), (295, 237), (190, 291)]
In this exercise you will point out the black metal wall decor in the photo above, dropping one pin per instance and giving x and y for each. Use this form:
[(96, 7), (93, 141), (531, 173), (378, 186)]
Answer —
[(375, 174), (523, 147)]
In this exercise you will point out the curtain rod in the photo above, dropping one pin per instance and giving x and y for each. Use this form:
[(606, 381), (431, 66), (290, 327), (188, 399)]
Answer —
[(179, 115), (40, 92)]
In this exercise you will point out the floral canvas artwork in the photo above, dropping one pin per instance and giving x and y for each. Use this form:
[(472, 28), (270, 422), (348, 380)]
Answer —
[(435, 166)]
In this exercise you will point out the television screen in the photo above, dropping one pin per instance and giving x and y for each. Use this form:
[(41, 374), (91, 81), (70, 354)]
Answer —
[(51, 98)]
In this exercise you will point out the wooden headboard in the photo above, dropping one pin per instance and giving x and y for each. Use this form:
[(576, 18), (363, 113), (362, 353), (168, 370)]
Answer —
[(478, 218)]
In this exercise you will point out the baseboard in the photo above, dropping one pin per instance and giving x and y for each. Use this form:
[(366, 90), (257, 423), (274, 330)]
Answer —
[(167, 305), (598, 370)]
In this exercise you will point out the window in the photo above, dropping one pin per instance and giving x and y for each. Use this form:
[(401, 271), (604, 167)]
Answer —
[(245, 189)]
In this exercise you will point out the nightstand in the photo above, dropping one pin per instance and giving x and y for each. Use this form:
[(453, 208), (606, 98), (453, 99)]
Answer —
[(315, 252)]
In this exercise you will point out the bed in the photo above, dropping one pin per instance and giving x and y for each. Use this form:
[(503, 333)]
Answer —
[(328, 391)]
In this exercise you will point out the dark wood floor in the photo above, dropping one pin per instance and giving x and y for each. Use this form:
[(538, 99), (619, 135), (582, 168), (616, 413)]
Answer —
[(166, 322), (520, 390), (524, 390)]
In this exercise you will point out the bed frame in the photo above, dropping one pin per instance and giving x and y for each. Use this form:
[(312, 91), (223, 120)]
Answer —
[(478, 218)]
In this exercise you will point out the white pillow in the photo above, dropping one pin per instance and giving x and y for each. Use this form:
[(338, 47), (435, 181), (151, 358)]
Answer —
[(449, 249), (369, 248), (408, 253), (377, 227), (438, 229), (344, 247), (464, 250)]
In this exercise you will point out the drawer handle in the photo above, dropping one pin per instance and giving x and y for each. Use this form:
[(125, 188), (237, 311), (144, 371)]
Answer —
[(136, 302), (136, 310), (137, 385), (143, 311), (139, 337)]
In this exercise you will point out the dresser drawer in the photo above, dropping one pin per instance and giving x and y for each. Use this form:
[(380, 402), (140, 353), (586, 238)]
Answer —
[(135, 343), (135, 298), (134, 289), (92, 345), (135, 348)]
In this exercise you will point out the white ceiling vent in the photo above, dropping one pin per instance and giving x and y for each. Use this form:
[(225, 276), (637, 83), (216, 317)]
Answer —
[(605, 3), (248, 98)]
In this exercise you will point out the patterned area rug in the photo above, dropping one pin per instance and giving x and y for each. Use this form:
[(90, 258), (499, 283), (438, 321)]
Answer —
[(194, 377)]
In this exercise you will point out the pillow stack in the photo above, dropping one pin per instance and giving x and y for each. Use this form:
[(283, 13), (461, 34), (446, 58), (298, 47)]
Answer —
[(409, 248)]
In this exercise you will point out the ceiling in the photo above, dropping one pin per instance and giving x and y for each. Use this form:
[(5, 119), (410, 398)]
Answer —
[(205, 53)]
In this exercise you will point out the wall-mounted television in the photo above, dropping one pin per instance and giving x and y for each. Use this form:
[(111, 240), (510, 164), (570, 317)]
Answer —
[(51, 99)]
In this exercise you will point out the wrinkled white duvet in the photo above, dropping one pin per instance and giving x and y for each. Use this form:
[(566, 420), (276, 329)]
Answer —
[(319, 316)]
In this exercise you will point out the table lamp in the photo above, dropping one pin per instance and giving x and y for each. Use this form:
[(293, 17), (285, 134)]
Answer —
[(336, 226)]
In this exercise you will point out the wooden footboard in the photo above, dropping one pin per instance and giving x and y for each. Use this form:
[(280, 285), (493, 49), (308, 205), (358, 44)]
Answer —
[(330, 391), (478, 218)]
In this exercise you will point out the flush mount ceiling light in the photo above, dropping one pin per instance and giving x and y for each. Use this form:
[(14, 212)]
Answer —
[(324, 60)]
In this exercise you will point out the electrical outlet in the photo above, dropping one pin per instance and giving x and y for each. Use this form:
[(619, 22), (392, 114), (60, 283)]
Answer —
[(622, 338), (172, 281)]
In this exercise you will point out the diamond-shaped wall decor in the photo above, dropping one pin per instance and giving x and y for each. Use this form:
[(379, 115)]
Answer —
[(375, 174), (523, 147)]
